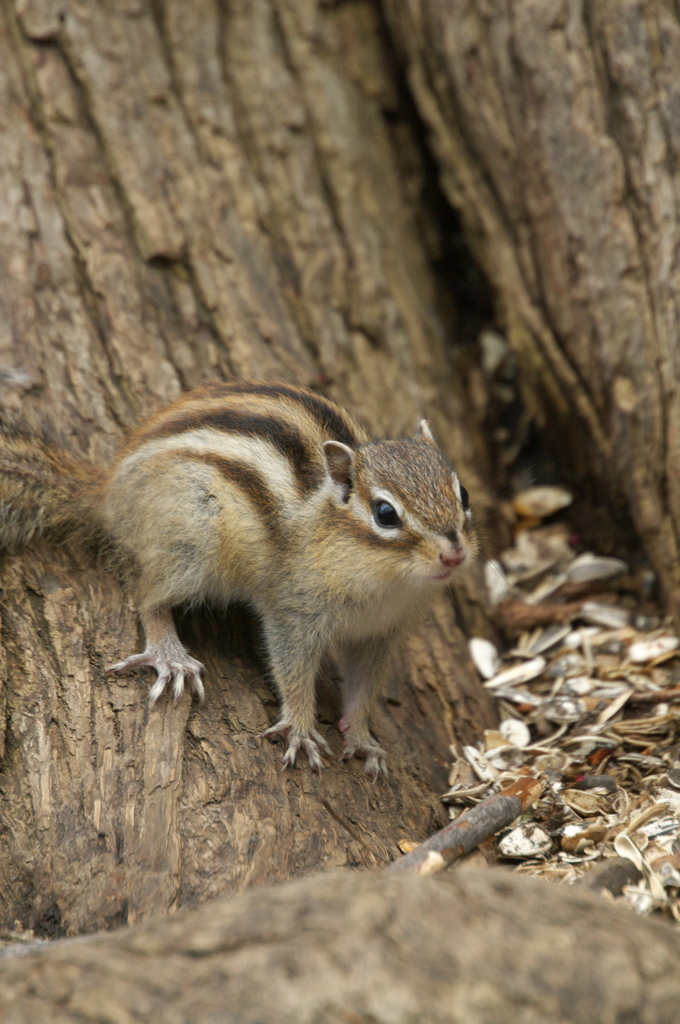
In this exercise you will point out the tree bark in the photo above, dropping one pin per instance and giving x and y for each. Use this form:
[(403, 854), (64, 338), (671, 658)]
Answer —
[(373, 949), (187, 191), (557, 136)]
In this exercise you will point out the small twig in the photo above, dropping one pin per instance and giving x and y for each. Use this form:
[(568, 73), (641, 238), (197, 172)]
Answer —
[(656, 696), (516, 616), (618, 584), (471, 828)]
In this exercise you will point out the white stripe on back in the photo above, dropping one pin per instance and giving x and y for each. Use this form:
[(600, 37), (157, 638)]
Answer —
[(255, 452)]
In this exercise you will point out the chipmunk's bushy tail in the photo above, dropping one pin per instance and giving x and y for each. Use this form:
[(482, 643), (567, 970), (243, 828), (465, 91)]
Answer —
[(46, 490)]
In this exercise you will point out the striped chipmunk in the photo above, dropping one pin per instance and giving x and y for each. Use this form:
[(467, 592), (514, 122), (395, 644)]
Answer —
[(272, 495)]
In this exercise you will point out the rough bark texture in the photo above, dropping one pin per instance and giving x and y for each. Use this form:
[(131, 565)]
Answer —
[(191, 190), (472, 948), (557, 133)]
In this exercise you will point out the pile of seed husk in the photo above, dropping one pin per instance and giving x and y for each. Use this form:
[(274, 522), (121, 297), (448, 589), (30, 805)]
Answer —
[(588, 696)]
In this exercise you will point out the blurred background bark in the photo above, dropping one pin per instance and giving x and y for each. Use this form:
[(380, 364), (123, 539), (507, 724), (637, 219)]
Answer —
[(277, 187)]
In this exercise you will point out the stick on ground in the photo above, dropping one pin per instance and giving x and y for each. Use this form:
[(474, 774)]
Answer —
[(471, 828)]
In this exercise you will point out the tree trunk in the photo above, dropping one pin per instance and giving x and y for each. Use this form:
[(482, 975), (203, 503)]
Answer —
[(191, 191), (557, 133)]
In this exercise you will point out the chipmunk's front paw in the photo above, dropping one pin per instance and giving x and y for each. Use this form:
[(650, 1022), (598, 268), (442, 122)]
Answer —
[(175, 666), (310, 741), (373, 754)]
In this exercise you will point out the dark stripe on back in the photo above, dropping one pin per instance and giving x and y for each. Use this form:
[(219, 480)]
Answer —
[(285, 438), (250, 482), (328, 417)]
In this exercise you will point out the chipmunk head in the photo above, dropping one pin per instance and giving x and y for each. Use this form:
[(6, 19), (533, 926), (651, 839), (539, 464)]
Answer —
[(404, 498)]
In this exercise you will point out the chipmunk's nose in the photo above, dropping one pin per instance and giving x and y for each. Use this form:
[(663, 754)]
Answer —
[(454, 556)]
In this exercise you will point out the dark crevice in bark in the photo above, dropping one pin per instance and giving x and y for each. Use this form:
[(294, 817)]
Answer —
[(465, 296), (466, 301)]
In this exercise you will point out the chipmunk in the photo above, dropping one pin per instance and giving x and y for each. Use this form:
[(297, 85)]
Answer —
[(272, 495)]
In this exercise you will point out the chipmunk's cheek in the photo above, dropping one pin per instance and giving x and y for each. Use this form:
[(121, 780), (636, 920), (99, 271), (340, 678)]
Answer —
[(426, 565)]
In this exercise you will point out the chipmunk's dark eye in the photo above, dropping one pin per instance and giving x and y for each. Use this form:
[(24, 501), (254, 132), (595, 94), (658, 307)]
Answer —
[(385, 515), (465, 498)]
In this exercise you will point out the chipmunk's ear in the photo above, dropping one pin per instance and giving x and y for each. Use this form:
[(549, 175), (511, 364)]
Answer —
[(339, 463), (423, 430)]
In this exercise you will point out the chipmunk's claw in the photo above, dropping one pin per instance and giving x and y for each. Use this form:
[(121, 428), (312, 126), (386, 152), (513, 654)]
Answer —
[(373, 754), (175, 667), (309, 741)]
